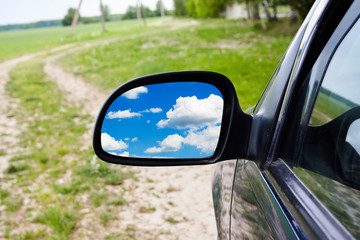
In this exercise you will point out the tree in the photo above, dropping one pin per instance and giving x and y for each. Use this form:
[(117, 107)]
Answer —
[(67, 20), (130, 13), (102, 17), (301, 7), (106, 10), (180, 8), (146, 12), (160, 9), (252, 8), (206, 8)]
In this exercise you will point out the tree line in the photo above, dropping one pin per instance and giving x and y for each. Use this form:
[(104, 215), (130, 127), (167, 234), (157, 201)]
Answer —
[(131, 11), (215, 8), (67, 20), (39, 24), (189, 8)]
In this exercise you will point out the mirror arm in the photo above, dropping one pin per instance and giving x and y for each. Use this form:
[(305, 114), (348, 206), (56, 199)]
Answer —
[(238, 138)]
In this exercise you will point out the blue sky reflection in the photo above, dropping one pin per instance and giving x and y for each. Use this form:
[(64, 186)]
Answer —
[(169, 120)]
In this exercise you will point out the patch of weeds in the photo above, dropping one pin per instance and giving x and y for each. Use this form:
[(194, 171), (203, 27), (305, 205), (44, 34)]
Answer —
[(107, 216), (115, 178), (56, 173), (118, 201), (73, 188), (120, 236), (3, 153), (99, 169), (3, 194), (170, 203), (20, 157), (172, 189), (13, 203), (29, 235), (129, 234), (7, 233), (147, 209), (62, 152), (45, 197), (152, 208), (172, 220), (61, 220), (98, 198), (15, 168)]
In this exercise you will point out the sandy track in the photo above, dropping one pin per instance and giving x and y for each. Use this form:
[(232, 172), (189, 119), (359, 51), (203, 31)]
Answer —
[(179, 193), (9, 128)]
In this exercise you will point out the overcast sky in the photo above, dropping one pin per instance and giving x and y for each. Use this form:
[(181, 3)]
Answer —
[(25, 11)]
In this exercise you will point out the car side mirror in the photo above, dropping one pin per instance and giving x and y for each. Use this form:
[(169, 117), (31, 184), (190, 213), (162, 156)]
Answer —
[(169, 119)]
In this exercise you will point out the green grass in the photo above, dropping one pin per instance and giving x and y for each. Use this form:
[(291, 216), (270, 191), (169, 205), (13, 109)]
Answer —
[(29, 235), (247, 56), (52, 133), (3, 194), (118, 201), (72, 188), (98, 198), (172, 220), (107, 216), (60, 219), (53, 148), (13, 203), (12, 43), (15, 168)]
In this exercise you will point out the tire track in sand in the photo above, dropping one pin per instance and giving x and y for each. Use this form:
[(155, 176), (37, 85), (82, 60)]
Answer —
[(10, 129)]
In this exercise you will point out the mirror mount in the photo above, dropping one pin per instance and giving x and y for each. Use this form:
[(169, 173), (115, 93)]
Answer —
[(237, 145), (235, 124)]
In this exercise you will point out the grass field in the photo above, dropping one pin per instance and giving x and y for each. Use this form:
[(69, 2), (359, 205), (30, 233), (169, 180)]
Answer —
[(17, 43), (234, 48)]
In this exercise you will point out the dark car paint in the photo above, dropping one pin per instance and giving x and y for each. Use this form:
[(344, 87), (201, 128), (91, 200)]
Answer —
[(281, 206)]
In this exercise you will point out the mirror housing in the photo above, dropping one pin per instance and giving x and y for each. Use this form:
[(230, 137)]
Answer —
[(235, 125)]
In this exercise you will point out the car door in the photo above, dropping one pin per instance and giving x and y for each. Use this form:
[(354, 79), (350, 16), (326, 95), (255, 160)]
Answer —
[(314, 154), (321, 142)]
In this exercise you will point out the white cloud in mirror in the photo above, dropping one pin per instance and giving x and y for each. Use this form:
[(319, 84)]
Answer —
[(206, 139), (123, 114), (134, 93), (171, 143), (124, 154), (191, 112), (109, 143)]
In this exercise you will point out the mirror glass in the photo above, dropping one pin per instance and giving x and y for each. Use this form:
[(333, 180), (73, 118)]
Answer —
[(167, 120)]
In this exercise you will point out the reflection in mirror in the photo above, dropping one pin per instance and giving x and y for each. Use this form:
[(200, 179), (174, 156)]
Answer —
[(353, 135), (167, 120)]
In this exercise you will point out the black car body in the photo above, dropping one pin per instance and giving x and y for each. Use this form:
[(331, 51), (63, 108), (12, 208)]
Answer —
[(294, 162), (268, 196)]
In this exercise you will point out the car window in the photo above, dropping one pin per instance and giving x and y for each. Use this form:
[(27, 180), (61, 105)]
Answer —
[(339, 91), (326, 146)]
